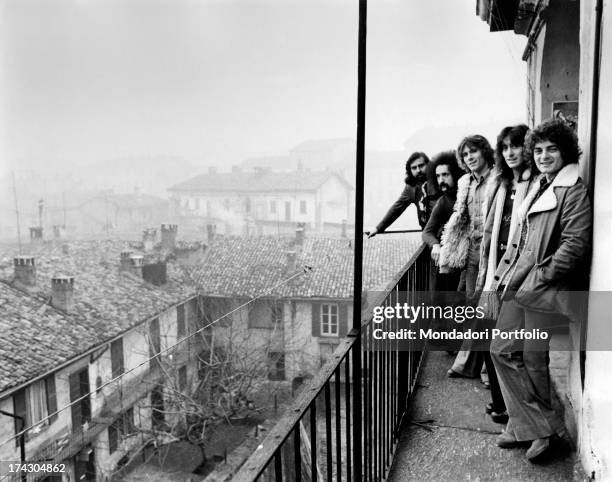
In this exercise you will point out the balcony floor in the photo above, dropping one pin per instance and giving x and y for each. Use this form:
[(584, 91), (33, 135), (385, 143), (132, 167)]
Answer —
[(461, 445)]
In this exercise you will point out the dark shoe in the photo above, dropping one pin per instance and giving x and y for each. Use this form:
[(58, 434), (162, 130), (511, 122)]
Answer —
[(500, 417), (489, 408), (486, 384), (506, 440), (453, 374), (539, 447)]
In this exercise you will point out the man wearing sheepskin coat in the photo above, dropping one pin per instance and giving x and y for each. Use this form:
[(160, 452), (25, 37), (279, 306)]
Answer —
[(463, 234), (416, 191)]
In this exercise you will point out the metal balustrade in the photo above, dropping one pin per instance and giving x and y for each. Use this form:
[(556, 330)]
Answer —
[(345, 423)]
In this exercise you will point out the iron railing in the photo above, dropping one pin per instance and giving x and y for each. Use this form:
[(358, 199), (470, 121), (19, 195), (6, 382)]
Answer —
[(345, 423)]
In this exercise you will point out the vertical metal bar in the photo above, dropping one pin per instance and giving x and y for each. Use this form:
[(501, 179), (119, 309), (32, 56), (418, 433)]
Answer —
[(297, 451), (357, 267), (375, 435), (328, 432), (338, 409), (347, 394), (278, 465), (313, 440)]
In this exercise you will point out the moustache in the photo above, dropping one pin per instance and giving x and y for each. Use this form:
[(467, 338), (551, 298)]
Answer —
[(443, 185)]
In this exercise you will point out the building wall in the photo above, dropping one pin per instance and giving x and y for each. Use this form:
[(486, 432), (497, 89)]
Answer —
[(554, 63), (595, 407), (109, 401)]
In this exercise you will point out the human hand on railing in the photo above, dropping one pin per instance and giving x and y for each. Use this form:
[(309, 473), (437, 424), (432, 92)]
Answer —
[(435, 253)]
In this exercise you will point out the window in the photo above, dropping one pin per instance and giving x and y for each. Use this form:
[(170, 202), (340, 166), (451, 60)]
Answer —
[(276, 365), (35, 403), (182, 378), (329, 320), (216, 311), (121, 427), (302, 207), (79, 397), (180, 321), (117, 367), (272, 207), (266, 314)]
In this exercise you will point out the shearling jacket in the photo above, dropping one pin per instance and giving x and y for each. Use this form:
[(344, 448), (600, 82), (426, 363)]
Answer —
[(550, 273), (455, 242)]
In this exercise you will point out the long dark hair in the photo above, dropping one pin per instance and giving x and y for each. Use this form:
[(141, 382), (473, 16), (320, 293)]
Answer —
[(516, 134), (410, 179)]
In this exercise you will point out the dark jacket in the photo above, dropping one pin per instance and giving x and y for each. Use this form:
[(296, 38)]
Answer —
[(441, 212), (412, 194), (550, 274)]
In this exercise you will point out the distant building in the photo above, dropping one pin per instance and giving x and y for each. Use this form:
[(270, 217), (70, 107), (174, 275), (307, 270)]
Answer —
[(262, 201), (295, 324), (75, 317)]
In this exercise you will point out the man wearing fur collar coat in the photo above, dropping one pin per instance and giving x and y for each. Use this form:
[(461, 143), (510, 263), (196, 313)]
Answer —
[(462, 236)]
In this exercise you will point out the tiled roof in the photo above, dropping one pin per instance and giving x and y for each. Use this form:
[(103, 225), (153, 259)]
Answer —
[(239, 266), (35, 337), (265, 181)]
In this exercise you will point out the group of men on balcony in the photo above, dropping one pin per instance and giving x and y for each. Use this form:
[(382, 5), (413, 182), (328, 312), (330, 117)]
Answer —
[(511, 233)]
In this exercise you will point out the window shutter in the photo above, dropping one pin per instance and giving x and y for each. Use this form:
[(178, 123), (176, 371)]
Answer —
[(316, 319), (342, 320), (117, 367), (51, 397), (75, 393), (19, 409)]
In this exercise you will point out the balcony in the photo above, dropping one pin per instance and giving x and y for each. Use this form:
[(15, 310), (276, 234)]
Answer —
[(365, 417)]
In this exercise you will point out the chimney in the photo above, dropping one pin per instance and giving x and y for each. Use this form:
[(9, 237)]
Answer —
[(25, 270), (212, 170), (343, 233), (291, 260), (148, 238), (155, 273), (62, 293), (299, 234), (236, 169), (36, 233), (168, 236), (211, 230), (59, 231), (124, 262), (136, 262)]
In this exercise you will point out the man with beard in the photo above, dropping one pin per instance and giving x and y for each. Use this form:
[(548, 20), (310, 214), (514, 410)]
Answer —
[(415, 192), (444, 173)]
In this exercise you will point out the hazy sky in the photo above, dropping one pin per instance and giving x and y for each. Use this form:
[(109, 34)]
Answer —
[(216, 81)]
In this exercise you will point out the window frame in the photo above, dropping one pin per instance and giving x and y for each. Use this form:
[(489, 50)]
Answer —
[(326, 319)]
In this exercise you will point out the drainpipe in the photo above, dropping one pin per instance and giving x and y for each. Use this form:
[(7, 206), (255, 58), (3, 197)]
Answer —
[(592, 149)]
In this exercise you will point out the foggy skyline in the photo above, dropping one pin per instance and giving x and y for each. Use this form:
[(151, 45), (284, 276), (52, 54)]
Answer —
[(216, 82)]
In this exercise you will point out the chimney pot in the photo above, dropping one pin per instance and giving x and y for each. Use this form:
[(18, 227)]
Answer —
[(168, 236), (299, 234), (136, 262), (291, 260), (62, 293), (148, 238), (59, 231), (36, 233), (236, 169), (25, 270), (212, 170), (211, 230)]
